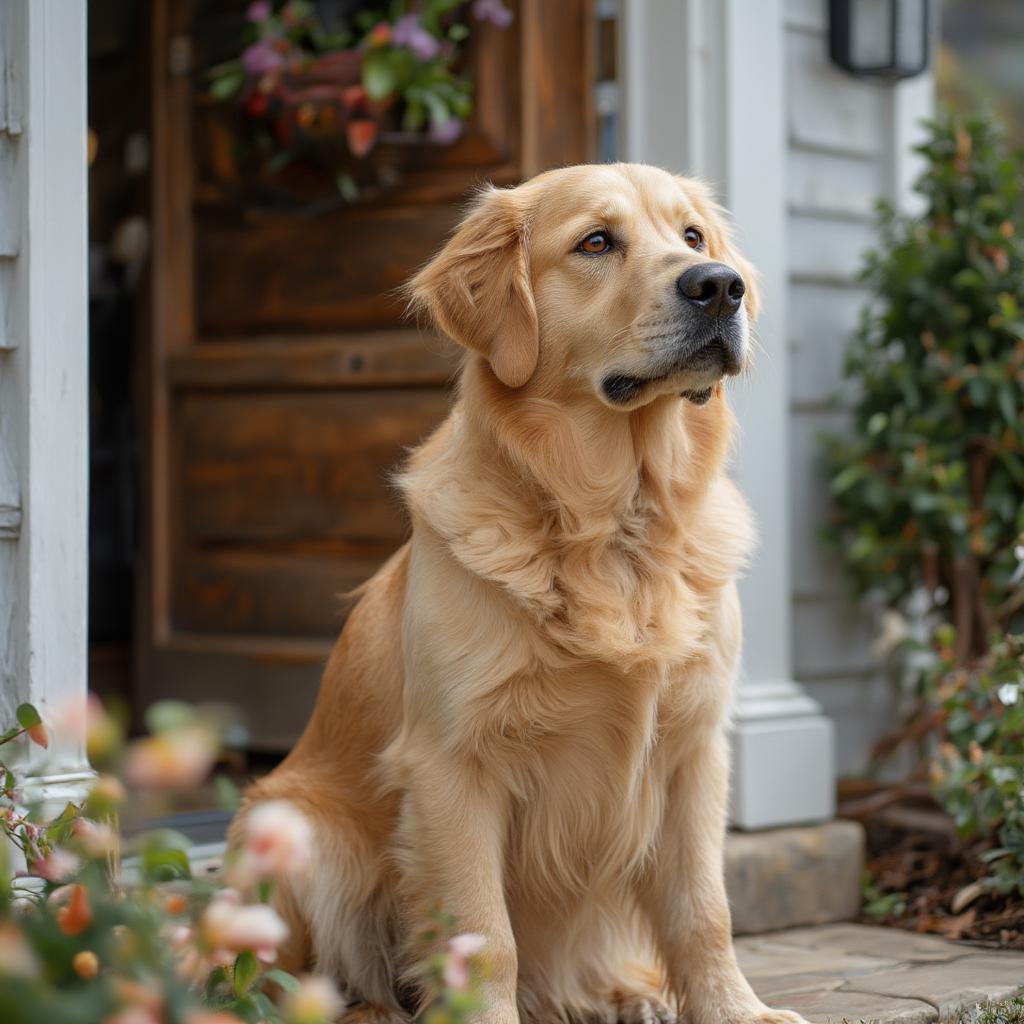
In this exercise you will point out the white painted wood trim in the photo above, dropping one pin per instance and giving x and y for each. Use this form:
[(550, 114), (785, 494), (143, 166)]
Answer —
[(913, 103), (49, 425), (704, 94)]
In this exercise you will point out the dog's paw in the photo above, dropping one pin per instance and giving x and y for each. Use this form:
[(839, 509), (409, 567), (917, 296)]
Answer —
[(777, 1017), (639, 1008), (750, 1015), (373, 1013)]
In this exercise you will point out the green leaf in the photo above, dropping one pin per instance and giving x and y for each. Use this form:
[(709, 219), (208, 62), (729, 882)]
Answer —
[(846, 478), (27, 716), (165, 865), (218, 976), (287, 981), (1007, 402), (891, 905), (228, 797), (9, 780), (169, 716), (878, 422), (227, 85), (379, 79), (247, 970)]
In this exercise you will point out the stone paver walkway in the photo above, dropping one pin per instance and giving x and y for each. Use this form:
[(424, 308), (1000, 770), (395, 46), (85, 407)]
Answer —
[(858, 973)]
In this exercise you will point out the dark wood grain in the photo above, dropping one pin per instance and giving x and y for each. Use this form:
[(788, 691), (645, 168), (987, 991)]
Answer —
[(273, 272), (402, 358), (259, 592), (298, 466), (282, 385)]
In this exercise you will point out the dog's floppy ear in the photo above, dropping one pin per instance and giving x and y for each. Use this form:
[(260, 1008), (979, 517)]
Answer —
[(477, 288)]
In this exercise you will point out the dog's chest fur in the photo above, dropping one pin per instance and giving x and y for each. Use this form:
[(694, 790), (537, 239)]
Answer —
[(612, 622)]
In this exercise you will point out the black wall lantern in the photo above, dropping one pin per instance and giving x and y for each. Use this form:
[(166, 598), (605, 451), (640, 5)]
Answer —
[(881, 38)]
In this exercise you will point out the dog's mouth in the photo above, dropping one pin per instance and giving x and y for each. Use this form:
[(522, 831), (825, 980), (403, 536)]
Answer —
[(711, 362)]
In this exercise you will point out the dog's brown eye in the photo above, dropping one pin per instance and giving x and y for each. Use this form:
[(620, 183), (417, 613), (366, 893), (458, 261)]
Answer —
[(595, 244), (693, 238)]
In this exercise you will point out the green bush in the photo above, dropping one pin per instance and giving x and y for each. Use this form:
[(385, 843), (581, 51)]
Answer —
[(929, 485), (977, 772)]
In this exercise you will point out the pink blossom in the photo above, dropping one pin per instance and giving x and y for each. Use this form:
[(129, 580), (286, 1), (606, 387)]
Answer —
[(226, 925), (95, 840), (171, 760), (259, 11), (180, 936), (16, 956), (277, 842), (446, 133), (316, 1002), (411, 34), (493, 11), (133, 1015), (78, 717), (456, 965), (262, 58), (57, 866)]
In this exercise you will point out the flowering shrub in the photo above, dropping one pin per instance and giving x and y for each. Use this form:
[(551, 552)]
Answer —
[(389, 62), (977, 772), (98, 928), (929, 486)]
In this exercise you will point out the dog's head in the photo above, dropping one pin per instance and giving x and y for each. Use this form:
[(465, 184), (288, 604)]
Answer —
[(619, 281)]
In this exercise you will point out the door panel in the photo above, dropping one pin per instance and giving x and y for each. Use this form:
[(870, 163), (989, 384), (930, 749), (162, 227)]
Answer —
[(296, 467), (339, 271), (282, 385)]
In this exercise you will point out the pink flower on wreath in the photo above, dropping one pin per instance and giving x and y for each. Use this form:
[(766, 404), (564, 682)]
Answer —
[(259, 11), (446, 133), (410, 33), (493, 11), (262, 58)]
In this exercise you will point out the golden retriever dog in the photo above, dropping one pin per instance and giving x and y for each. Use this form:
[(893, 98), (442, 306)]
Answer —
[(524, 719)]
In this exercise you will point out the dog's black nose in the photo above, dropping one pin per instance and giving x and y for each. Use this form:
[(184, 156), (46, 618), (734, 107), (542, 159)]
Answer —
[(712, 287)]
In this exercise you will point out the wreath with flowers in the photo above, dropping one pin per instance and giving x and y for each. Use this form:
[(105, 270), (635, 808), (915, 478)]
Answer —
[(343, 76)]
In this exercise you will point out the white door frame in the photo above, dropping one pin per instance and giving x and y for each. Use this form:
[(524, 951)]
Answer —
[(44, 378)]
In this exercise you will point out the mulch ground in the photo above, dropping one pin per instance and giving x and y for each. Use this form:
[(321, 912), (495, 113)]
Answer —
[(914, 851)]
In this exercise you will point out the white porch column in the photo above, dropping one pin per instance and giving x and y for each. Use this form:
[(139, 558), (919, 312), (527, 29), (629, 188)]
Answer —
[(704, 95), (43, 377)]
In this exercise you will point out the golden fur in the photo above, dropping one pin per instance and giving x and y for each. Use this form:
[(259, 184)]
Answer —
[(523, 721)]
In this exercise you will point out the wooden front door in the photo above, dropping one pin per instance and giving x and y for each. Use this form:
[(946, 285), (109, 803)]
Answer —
[(283, 385)]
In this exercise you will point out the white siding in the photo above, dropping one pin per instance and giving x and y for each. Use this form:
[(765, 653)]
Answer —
[(847, 141)]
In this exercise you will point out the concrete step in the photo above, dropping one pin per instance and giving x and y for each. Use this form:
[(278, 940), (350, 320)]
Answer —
[(788, 877)]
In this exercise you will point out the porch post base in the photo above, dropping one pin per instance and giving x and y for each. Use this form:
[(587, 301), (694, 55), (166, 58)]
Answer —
[(55, 789), (782, 747)]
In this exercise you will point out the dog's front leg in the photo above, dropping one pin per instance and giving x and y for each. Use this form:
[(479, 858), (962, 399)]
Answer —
[(683, 894), (454, 828)]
